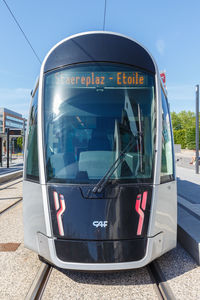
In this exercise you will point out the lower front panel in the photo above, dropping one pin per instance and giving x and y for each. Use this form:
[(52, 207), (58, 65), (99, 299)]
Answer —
[(101, 251)]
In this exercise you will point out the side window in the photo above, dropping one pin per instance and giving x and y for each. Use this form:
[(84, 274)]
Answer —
[(32, 170), (167, 169)]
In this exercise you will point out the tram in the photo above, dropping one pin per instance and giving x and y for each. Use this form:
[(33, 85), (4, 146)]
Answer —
[(99, 188)]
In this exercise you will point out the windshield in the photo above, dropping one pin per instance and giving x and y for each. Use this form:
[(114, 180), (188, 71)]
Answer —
[(91, 114)]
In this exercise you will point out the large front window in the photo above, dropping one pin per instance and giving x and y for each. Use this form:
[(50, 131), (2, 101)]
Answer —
[(94, 112)]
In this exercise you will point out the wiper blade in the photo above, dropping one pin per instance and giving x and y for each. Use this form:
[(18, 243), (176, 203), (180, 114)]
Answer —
[(101, 184)]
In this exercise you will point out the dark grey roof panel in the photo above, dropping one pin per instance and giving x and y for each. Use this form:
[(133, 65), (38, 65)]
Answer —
[(105, 47)]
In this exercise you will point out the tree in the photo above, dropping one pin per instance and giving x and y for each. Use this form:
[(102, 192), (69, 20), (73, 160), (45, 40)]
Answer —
[(183, 125), (191, 138), (20, 142), (176, 122), (180, 137), (187, 119)]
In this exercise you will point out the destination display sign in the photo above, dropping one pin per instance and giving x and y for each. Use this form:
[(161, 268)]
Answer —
[(98, 79)]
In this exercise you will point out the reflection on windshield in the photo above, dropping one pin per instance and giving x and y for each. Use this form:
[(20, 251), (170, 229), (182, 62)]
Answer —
[(86, 129)]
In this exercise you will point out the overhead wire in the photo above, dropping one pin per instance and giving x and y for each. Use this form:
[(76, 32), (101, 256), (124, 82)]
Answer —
[(104, 18), (25, 36)]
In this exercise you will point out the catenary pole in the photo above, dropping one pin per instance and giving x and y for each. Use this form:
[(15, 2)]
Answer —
[(8, 146), (197, 129)]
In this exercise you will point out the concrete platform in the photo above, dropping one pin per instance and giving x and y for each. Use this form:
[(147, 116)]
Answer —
[(188, 184)]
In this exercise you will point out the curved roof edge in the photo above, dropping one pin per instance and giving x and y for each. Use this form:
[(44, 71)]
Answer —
[(99, 46)]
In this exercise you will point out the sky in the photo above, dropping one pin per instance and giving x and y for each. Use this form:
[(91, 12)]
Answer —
[(169, 29)]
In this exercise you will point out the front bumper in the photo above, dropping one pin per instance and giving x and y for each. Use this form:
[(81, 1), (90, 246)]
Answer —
[(83, 251), (47, 250)]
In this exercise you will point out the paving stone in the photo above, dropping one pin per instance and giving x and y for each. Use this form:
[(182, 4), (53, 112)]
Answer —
[(17, 271), (17, 268)]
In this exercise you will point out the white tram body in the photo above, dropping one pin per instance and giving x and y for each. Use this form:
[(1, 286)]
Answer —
[(99, 188)]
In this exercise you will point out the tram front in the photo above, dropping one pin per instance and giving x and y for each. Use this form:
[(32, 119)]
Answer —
[(99, 135)]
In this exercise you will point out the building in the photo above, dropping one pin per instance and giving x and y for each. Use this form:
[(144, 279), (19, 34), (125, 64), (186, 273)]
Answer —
[(12, 120)]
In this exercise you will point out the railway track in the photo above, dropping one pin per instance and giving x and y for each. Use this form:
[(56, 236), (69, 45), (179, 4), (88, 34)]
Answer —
[(163, 290), (10, 206), (38, 286), (7, 185)]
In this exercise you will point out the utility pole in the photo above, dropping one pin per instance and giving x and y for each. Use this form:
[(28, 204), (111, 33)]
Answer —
[(1, 154), (197, 129), (8, 146), (23, 137)]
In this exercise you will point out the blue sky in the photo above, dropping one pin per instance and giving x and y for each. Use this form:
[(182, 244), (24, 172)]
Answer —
[(169, 29)]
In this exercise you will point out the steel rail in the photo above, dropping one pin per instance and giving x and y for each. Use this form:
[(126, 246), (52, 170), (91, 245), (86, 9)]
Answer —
[(163, 289), (10, 206), (38, 286), (1, 189), (7, 185)]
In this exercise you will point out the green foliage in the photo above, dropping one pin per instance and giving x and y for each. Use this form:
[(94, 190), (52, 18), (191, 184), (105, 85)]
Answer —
[(20, 142), (190, 138), (183, 125), (176, 122), (187, 119), (180, 137)]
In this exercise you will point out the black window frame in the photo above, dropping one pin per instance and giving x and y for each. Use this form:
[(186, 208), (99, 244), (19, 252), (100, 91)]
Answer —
[(34, 105), (168, 177)]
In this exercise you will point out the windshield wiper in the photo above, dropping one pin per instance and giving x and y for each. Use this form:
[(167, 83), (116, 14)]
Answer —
[(101, 184)]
